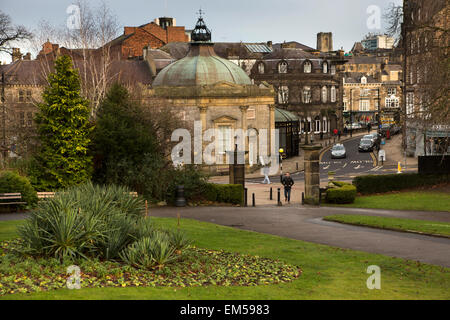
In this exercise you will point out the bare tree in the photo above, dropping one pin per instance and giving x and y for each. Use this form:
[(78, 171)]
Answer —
[(89, 46), (10, 33), (423, 33)]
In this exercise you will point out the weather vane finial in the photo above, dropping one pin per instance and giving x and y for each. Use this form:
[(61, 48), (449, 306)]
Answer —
[(200, 13)]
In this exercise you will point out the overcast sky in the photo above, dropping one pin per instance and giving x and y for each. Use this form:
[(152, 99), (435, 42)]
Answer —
[(230, 20)]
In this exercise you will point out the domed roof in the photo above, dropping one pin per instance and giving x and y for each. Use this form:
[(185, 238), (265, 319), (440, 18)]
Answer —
[(202, 66)]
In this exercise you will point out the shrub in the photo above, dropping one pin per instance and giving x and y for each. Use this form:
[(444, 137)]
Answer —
[(149, 252), (12, 182), (384, 183), (226, 193), (341, 195), (341, 183), (102, 222), (83, 221)]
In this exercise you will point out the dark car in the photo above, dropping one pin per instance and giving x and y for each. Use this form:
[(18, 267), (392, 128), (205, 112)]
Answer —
[(366, 145), (376, 137), (338, 152)]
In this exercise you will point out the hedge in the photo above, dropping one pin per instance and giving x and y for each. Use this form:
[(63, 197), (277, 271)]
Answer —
[(12, 182), (391, 182), (341, 195), (226, 193)]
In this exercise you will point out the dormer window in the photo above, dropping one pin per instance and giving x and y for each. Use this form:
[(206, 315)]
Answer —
[(282, 67), (307, 67), (363, 80), (261, 68), (325, 67)]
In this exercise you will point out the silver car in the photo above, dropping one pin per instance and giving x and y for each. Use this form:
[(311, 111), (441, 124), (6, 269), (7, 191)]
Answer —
[(338, 152)]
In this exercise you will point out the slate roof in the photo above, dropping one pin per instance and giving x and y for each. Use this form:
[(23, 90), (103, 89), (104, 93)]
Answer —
[(355, 77)]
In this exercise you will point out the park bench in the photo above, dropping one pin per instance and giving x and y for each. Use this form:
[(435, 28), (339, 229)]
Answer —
[(8, 199), (48, 195), (45, 195)]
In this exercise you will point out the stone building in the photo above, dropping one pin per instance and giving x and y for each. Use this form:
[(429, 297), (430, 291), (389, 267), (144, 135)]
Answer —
[(307, 84), (24, 80), (216, 92), (425, 31), (373, 99)]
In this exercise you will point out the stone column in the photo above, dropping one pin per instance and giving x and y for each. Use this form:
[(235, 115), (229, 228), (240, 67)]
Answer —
[(312, 170), (271, 127), (244, 126), (203, 110)]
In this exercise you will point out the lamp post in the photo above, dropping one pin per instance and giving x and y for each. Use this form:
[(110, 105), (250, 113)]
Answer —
[(281, 159)]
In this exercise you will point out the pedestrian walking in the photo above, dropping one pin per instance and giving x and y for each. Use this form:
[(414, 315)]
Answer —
[(287, 183), (266, 170), (339, 135), (369, 128)]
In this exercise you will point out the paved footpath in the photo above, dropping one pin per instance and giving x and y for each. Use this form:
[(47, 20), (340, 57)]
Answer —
[(305, 223)]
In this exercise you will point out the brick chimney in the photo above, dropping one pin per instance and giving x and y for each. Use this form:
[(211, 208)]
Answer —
[(27, 56), (16, 55)]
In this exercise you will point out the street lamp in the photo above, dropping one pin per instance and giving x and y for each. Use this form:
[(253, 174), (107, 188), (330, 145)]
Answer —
[(281, 159)]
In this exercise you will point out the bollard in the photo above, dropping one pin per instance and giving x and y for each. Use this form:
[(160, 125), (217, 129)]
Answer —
[(253, 199), (271, 196), (245, 196), (279, 197), (303, 198)]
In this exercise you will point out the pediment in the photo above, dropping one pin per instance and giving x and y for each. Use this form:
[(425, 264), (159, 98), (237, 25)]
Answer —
[(224, 119)]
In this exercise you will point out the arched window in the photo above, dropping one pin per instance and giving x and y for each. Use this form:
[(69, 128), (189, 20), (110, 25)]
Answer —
[(282, 67), (283, 94), (306, 94), (261, 68), (317, 124), (307, 67), (333, 94), (325, 67), (324, 125), (324, 94)]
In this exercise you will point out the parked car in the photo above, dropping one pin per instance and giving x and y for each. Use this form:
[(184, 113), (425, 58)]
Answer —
[(338, 151), (366, 145)]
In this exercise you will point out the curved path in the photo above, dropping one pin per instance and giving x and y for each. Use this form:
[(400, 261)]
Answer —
[(305, 223)]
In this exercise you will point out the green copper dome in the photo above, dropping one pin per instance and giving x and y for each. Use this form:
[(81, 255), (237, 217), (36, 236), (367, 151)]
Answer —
[(201, 67)]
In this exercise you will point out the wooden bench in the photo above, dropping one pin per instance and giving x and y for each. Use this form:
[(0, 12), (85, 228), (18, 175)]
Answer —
[(49, 195), (11, 199), (45, 195)]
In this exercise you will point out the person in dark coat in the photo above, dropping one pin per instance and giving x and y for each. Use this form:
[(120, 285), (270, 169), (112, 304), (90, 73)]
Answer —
[(287, 182)]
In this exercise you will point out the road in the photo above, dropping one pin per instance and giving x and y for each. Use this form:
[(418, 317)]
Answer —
[(305, 223), (356, 163)]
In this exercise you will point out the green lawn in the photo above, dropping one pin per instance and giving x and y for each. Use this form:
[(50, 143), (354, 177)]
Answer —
[(420, 201), (328, 273), (398, 224)]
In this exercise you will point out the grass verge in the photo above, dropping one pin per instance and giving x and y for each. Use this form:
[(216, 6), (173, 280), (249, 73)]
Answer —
[(327, 272), (398, 224), (420, 201)]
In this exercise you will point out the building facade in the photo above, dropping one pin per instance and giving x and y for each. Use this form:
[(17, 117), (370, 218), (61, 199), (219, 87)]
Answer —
[(306, 84), (426, 38)]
